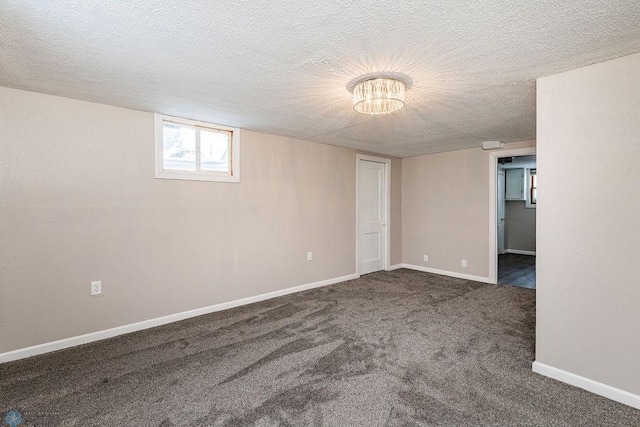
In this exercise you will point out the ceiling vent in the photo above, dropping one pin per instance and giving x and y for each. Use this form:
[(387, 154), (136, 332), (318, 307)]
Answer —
[(492, 145)]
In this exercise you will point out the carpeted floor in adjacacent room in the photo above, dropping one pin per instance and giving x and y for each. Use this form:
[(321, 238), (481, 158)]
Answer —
[(389, 349)]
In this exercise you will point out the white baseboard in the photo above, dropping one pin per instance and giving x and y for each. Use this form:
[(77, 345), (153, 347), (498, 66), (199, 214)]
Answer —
[(519, 252), (447, 273), (607, 391), (394, 267), (145, 324)]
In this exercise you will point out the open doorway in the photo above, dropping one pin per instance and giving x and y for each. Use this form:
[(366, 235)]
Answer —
[(516, 220)]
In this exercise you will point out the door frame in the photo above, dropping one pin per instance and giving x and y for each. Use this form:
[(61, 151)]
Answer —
[(493, 204), (504, 213), (387, 185)]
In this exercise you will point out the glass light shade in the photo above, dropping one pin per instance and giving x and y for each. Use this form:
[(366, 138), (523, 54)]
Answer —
[(378, 96)]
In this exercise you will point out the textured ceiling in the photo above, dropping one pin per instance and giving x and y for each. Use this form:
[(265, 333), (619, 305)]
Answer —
[(284, 67)]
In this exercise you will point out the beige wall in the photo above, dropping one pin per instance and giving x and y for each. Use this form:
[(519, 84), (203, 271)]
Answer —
[(520, 226), (445, 210), (588, 301), (396, 211), (79, 202)]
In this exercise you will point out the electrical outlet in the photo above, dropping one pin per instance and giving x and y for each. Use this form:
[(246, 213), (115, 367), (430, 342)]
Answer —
[(309, 256), (96, 288), (426, 258), (464, 262)]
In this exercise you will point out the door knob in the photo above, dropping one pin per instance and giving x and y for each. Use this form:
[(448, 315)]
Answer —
[(384, 224)]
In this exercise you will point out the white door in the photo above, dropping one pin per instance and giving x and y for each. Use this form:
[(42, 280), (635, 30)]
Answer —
[(373, 221), (500, 210)]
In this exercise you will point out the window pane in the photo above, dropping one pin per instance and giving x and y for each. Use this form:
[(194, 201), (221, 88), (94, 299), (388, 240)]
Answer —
[(179, 147), (533, 191), (214, 150)]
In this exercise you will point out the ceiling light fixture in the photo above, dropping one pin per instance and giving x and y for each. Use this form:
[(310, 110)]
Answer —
[(378, 96)]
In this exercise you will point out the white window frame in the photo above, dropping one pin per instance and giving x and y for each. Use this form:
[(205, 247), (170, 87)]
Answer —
[(199, 175)]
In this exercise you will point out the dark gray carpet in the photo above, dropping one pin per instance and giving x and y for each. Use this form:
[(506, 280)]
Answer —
[(390, 349)]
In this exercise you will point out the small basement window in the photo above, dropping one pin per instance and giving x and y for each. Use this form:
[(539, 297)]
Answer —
[(532, 195), (198, 151)]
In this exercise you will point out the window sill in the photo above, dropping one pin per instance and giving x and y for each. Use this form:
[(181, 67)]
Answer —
[(197, 176)]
